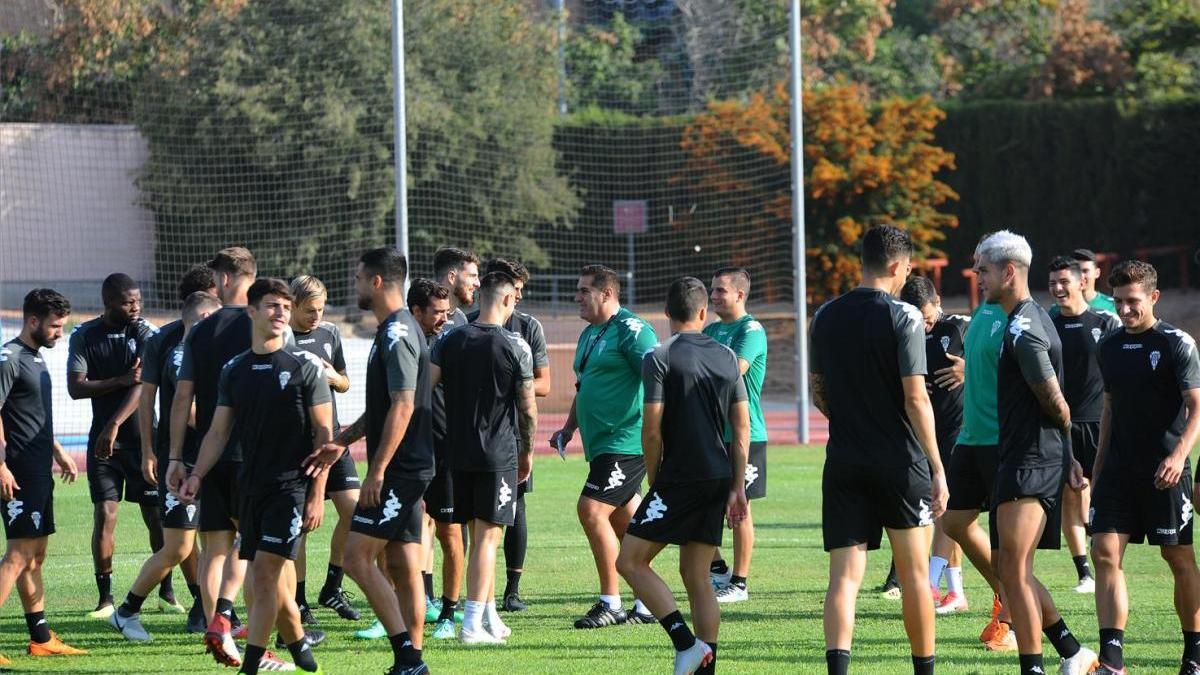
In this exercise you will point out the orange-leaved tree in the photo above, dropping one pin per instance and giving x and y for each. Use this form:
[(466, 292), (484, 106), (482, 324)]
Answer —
[(863, 165)]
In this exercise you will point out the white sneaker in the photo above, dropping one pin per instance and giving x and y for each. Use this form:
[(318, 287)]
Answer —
[(493, 625), (269, 663), (720, 580), (1083, 662), (480, 637), (951, 602), (732, 593), (1086, 585), (691, 659), (130, 628)]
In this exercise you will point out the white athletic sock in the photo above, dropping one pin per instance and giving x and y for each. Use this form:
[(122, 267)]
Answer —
[(493, 616), (954, 580), (613, 601), (936, 565), (640, 608), (473, 616)]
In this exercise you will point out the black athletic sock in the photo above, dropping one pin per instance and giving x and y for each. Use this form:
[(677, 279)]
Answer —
[(225, 608), (250, 659), (1081, 566), (1112, 647), (301, 595), (104, 585), (718, 566), (333, 577), (448, 608), (194, 589), (711, 668), (428, 579), (402, 650), (740, 582), (837, 661), (233, 617), (923, 665), (1060, 636), (892, 580), (302, 655), (516, 538), (39, 630), (1031, 664), (131, 606), (166, 587), (513, 586), (1191, 646), (677, 629)]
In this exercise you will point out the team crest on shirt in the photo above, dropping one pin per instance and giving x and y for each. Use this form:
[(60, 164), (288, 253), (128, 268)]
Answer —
[(1096, 334), (284, 378), (132, 344), (945, 343), (995, 327), (1155, 357), (1019, 325), (36, 517), (328, 350), (600, 346)]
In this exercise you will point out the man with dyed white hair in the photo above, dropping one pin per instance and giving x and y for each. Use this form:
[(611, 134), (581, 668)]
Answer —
[(1034, 452)]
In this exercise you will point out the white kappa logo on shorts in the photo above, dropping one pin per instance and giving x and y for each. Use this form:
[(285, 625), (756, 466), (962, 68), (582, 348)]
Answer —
[(391, 508), (15, 508), (1185, 512), (36, 517), (171, 502), (925, 516), (297, 523), (1155, 357), (751, 474), (616, 478), (504, 496), (655, 509)]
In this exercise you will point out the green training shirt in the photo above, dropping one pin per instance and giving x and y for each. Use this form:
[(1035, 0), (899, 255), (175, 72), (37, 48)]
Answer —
[(981, 349), (608, 405), (748, 341)]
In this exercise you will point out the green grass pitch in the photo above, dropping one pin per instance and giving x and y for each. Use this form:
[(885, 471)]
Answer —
[(778, 630)]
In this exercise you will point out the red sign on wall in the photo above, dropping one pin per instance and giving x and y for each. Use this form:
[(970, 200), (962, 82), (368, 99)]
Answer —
[(630, 216)]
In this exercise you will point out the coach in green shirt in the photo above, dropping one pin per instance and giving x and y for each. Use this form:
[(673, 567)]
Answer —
[(608, 413), (746, 338)]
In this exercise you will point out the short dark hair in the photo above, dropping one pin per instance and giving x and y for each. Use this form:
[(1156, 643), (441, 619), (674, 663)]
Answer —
[(1062, 262), (1132, 272), (739, 276), (513, 268), (198, 278), (265, 286), (199, 301), (603, 278), (42, 302), (235, 260), (493, 285), (423, 292), (115, 285), (685, 298), (1083, 255), (884, 244), (918, 292), (450, 258), (388, 263)]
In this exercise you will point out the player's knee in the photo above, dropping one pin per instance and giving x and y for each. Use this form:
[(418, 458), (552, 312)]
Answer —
[(1106, 559), (1181, 559), (628, 563)]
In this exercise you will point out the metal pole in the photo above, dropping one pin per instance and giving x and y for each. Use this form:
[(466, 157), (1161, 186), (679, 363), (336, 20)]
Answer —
[(632, 288), (562, 56), (401, 141), (798, 229)]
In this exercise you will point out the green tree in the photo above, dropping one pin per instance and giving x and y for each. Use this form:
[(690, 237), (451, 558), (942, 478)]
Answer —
[(603, 69)]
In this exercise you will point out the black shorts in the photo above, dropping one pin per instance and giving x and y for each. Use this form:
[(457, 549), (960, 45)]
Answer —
[(120, 473), (1085, 441), (400, 515), (174, 514), (272, 522), (1044, 484), (756, 471), (857, 502), (1133, 506), (971, 477), (946, 448), (439, 496), (680, 513), (614, 479), (343, 475), (221, 499), (490, 496), (31, 514)]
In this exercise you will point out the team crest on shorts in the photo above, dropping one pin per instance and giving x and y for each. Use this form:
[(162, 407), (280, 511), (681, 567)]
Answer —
[(36, 517)]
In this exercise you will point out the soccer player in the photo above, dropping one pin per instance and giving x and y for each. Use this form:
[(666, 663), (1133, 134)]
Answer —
[(1144, 490), (27, 452), (279, 402), (943, 340), (179, 520), (322, 339), (1090, 273), (457, 271), (740, 332), (607, 411), (1080, 328), (207, 348), (516, 537), (398, 428), (487, 374), (1035, 424), (882, 468), (104, 358), (694, 396)]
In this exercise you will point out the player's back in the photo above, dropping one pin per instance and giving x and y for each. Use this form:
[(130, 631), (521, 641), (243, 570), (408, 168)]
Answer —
[(863, 342), (211, 344)]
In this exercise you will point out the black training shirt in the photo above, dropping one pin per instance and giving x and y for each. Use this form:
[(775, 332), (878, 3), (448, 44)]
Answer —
[(862, 344), (945, 340), (101, 351), (1030, 354), (1146, 374), (697, 379), (483, 366), (399, 361), (157, 362), (212, 343), (325, 341), (270, 395), (26, 410), (1083, 386)]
